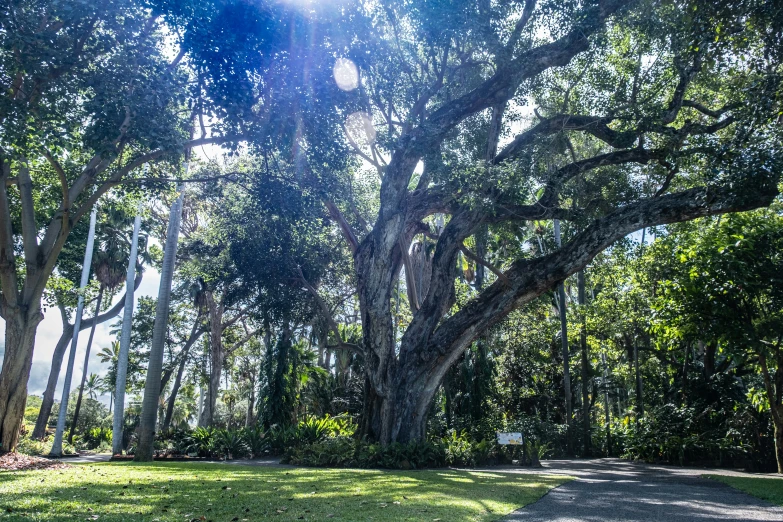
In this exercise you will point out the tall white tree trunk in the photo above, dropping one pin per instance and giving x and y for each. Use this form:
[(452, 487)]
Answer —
[(76, 410), (122, 359), (149, 407), (57, 446), (561, 304)]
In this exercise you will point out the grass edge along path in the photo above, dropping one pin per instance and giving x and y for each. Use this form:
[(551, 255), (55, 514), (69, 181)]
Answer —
[(765, 488), (168, 492)]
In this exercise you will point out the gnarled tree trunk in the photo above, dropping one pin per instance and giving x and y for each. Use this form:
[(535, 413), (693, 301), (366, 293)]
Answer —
[(20, 331)]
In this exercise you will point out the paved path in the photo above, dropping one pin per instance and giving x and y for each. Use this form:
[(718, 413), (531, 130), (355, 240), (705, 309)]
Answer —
[(87, 459), (608, 490)]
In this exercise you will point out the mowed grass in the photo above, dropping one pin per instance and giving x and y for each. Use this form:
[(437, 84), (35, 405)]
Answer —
[(163, 492), (770, 489)]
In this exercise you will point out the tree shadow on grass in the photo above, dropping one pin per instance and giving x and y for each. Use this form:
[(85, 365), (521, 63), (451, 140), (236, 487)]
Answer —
[(183, 491)]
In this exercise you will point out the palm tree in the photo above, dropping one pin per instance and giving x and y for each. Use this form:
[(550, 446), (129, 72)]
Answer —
[(122, 347), (149, 411), (57, 445), (109, 355), (92, 386), (109, 266)]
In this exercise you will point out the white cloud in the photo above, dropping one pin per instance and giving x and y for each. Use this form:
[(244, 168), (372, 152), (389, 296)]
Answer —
[(50, 330)]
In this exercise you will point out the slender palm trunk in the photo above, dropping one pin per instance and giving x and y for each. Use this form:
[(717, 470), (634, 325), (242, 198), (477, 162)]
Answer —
[(195, 334), (122, 357), (149, 408), (57, 360), (57, 446), (607, 409), (561, 299), (84, 368), (580, 276)]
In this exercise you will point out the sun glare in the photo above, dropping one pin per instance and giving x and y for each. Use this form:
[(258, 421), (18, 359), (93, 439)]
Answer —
[(346, 74)]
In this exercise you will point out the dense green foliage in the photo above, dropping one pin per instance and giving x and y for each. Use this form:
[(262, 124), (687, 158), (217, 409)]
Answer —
[(430, 221)]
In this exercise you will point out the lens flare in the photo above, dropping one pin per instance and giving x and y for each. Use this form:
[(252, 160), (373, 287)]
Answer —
[(346, 74)]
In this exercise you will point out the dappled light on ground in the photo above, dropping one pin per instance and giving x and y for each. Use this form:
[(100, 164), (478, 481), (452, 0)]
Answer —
[(169, 492)]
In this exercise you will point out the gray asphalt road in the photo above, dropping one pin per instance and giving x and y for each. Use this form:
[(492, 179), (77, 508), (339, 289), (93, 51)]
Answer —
[(609, 490)]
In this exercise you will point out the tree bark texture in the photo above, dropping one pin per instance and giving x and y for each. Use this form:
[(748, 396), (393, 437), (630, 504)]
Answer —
[(149, 412), (19, 342), (404, 379)]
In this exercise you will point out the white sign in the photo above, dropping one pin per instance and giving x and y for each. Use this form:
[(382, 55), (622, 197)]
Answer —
[(514, 439)]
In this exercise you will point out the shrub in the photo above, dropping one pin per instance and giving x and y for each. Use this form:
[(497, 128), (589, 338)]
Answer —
[(257, 441), (342, 451), (201, 442), (29, 446), (228, 444), (459, 450), (96, 437)]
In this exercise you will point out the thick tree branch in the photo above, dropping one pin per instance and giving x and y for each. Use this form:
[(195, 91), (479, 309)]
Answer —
[(594, 125), (706, 111), (527, 14), (503, 84), (8, 278), (530, 278), (29, 225), (562, 175), (440, 293), (65, 205), (470, 255), (345, 227)]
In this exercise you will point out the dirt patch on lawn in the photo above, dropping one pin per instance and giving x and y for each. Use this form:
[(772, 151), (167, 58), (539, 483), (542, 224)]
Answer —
[(20, 462)]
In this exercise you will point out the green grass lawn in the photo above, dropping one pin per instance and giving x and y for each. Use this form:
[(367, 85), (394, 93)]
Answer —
[(183, 492), (770, 489)]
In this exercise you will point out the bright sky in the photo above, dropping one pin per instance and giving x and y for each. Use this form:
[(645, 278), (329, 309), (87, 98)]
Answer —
[(49, 332)]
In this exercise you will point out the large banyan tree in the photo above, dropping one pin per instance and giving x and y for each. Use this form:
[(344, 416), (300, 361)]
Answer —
[(605, 116), (608, 116)]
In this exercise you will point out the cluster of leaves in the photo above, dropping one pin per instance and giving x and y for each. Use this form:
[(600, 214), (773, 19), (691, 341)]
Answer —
[(359, 453), (454, 449), (252, 442), (36, 447)]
